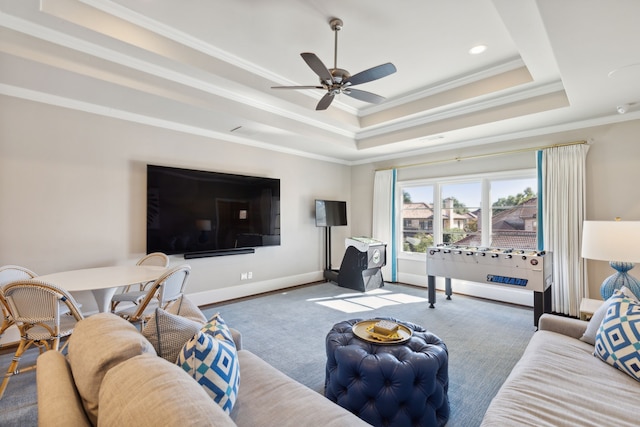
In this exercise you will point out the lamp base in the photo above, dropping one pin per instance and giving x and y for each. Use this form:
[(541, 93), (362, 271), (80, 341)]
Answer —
[(619, 279)]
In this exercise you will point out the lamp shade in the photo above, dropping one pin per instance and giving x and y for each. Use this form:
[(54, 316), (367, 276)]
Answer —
[(611, 240)]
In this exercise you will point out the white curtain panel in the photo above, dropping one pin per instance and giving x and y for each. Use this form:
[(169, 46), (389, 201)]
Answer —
[(383, 218), (563, 204)]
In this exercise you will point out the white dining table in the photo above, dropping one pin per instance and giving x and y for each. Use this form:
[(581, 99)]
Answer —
[(103, 281)]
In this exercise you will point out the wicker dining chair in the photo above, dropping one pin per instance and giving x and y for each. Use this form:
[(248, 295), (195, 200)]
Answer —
[(8, 274), (135, 296), (164, 290), (43, 313)]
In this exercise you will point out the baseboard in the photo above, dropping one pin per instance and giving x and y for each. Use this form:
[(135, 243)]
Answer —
[(254, 288), (10, 336)]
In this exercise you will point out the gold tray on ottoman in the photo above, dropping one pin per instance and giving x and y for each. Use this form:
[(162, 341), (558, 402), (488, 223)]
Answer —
[(364, 330)]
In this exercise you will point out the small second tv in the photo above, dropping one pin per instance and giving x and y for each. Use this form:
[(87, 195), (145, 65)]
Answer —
[(331, 213)]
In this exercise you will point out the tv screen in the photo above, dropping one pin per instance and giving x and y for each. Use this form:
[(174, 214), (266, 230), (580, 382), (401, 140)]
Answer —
[(331, 213), (191, 211)]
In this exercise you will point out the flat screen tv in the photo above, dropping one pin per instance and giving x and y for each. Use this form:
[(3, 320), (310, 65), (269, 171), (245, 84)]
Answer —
[(331, 213), (200, 212)]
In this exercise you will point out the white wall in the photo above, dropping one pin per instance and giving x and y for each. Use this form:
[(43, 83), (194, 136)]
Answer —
[(612, 187), (72, 192), (73, 195)]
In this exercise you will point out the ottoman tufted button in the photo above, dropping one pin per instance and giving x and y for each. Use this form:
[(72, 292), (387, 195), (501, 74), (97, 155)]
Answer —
[(399, 384)]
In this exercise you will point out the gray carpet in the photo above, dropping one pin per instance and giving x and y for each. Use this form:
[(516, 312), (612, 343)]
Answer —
[(18, 406), (485, 339), (287, 329)]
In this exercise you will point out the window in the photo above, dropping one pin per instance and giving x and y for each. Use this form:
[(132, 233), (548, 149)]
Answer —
[(417, 218), (514, 214), (460, 210), (497, 210)]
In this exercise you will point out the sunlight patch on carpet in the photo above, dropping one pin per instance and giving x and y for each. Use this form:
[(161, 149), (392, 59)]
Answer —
[(404, 298), (352, 295), (373, 301), (354, 302), (344, 306)]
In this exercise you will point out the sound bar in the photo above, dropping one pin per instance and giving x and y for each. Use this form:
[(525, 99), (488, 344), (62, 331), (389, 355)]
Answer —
[(219, 252)]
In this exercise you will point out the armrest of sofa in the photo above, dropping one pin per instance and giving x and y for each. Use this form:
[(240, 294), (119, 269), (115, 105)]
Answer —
[(58, 400), (562, 325), (237, 338)]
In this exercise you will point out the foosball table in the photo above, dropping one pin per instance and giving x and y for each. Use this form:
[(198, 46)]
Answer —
[(521, 269)]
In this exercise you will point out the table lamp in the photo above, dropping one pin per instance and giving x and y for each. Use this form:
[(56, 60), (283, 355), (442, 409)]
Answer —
[(617, 242)]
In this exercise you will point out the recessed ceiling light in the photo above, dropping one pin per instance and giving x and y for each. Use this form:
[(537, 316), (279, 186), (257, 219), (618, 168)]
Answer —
[(476, 50)]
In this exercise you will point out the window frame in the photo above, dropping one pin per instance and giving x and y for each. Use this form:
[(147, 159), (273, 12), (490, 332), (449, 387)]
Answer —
[(485, 180)]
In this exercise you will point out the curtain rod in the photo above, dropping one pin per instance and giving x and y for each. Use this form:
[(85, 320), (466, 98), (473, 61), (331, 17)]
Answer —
[(480, 156)]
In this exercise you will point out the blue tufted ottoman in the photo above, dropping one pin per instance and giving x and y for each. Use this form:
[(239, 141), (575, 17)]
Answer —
[(396, 385)]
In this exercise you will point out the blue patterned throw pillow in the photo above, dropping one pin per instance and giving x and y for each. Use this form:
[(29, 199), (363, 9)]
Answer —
[(210, 357), (618, 339)]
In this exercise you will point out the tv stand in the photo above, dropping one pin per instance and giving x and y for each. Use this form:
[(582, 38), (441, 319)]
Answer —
[(331, 275)]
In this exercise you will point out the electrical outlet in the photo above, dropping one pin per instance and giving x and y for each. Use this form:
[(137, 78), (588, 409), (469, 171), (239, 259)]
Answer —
[(243, 276), (250, 275)]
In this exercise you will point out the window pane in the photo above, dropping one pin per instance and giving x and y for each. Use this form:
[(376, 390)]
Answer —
[(511, 220), (417, 218), (460, 213), (514, 209)]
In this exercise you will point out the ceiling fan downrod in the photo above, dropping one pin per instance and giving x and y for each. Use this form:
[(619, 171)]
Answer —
[(336, 25)]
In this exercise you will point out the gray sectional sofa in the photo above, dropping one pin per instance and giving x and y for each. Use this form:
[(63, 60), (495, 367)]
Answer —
[(559, 382), (112, 376)]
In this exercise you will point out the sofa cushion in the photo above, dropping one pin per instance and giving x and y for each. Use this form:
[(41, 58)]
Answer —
[(618, 339), (597, 317), (558, 382), (210, 357), (169, 332), (98, 343), (147, 390), (269, 398), (186, 308), (55, 386)]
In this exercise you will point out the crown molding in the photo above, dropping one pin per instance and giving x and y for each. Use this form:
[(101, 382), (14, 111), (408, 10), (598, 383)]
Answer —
[(59, 101)]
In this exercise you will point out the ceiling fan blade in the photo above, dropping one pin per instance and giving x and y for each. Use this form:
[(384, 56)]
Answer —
[(371, 74), (325, 102), (317, 66), (297, 87), (364, 96)]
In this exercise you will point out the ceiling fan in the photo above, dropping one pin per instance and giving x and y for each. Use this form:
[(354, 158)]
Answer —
[(336, 80)]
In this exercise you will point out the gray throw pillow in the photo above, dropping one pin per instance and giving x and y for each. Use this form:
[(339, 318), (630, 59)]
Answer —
[(589, 335), (186, 308), (168, 332)]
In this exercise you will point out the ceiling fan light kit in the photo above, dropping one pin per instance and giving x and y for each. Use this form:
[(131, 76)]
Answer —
[(337, 80)]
